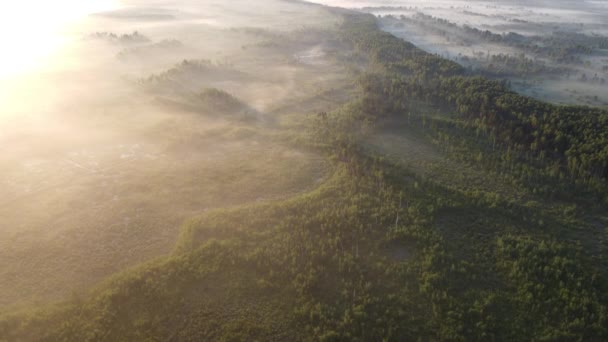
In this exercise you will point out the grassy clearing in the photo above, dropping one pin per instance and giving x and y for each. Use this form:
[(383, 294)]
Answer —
[(409, 146)]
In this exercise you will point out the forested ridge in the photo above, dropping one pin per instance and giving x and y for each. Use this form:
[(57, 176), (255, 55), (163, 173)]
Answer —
[(381, 250), (577, 136)]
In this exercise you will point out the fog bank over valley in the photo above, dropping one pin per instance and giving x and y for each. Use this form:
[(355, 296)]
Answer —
[(283, 170), (555, 51), (146, 115)]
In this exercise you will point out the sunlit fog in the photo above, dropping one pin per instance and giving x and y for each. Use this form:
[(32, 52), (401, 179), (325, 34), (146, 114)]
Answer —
[(33, 32), (285, 170)]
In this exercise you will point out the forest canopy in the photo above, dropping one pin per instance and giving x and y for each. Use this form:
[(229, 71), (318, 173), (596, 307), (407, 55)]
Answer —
[(452, 208)]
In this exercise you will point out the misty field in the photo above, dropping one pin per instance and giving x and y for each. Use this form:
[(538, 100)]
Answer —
[(181, 170), (105, 178)]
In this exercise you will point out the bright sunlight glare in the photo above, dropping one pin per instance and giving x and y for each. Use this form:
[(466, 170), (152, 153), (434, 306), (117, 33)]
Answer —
[(32, 31)]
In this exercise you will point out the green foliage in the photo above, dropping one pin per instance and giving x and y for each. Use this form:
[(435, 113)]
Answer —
[(379, 252), (217, 100), (555, 297)]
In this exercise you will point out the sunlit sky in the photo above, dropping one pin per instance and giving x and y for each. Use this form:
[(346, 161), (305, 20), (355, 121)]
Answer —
[(33, 31)]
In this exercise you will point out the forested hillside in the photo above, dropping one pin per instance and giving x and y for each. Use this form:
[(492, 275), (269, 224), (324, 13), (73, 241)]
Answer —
[(455, 210)]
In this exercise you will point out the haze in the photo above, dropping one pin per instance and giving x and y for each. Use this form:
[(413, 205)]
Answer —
[(94, 154), (284, 170), (550, 76)]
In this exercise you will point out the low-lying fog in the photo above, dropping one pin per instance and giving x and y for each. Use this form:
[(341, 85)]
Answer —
[(118, 125), (144, 116), (553, 50)]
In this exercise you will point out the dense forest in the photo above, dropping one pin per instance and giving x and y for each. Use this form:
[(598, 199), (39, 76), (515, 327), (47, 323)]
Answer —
[(573, 138), (556, 55), (564, 47), (504, 239)]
